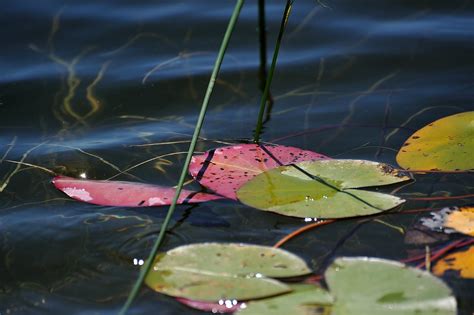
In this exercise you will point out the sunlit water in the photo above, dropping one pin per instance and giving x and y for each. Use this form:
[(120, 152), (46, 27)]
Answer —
[(85, 85)]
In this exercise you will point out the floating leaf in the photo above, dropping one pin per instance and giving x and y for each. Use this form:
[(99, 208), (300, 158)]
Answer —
[(236, 259), (223, 306), (451, 219), (292, 190), (215, 271), (209, 286), (461, 220), (226, 169), (303, 296), (125, 194), (446, 145), (362, 286), (462, 262)]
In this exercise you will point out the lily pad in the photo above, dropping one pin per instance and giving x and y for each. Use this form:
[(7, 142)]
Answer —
[(449, 220), (294, 191), (461, 262), (461, 219), (221, 307), (362, 286), (226, 169), (209, 286), (303, 296), (125, 194), (446, 145), (234, 258), (216, 271)]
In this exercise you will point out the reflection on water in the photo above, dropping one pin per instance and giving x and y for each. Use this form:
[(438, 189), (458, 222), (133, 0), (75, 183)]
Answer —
[(112, 89)]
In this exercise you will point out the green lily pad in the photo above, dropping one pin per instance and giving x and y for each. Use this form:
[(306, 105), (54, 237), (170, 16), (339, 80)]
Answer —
[(446, 145), (361, 286), (292, 191), (216, 271), (374, 286), (303, 296), (234, 258), (212, 287)]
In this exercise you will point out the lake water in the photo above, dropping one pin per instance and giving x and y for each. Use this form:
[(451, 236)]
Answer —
[(86, 85)]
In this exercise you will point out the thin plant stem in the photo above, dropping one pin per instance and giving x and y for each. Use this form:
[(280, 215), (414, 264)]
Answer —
[(427, 258), (266, 91), (146, 267), (437, 254), (262, 34), (7, 179), (443, 251), (262, 37), (441, 198), (300, 231)]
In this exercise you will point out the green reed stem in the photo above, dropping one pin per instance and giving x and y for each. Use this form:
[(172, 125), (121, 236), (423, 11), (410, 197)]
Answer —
[(262, 38), (263, 100), (146, 267)]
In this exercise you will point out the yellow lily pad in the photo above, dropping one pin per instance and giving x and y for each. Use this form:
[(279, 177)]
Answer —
[(445, 145), (451, 220), (463, 262), (461, 220)]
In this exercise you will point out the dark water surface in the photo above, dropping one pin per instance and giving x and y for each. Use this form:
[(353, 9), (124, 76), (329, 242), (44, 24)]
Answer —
[(85, 84)]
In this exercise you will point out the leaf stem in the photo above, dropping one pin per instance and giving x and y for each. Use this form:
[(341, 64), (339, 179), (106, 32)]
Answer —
[(146, 267), (266, 91), (441, 197), (301, 230)]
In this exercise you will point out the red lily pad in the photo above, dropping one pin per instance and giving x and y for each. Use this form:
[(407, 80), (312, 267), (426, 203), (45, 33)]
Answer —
[(125, 194), (226, 169)]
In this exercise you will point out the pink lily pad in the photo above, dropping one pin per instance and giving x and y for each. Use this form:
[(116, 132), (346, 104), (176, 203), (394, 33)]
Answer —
[(226, 169), (228, 306), (125, 194)]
